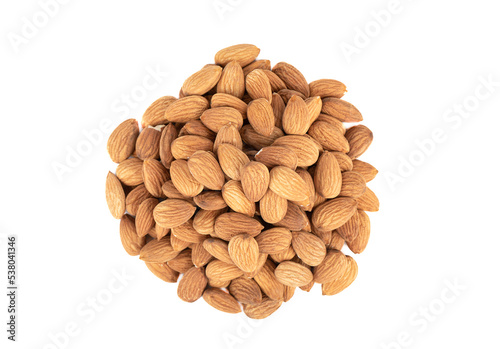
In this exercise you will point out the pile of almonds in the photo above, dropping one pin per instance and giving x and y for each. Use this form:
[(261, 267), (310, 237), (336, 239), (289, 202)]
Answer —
[(248, 184)]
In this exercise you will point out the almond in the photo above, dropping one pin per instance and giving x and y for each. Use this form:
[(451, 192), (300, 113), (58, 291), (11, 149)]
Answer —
[(358, 245), (256, 140), (182, 263), (192, 285), (218, 270), (273, 207), (228, 134), (350, 230), (206, 170), (158, 251), (129, 172), (258, 86), (288, 184), (353, 184), (296, 118), (215, 118), (333, 266), (171, 192), (345, 280), (202, 81), (115, 196), (221, 300), (204, 221), (135, 198), (173, 212), (200, 255), (308, 204), (342, 110), (295, 218), (314, 105), (345, 162), (132, 243), (274, 240), (230, 224), (276, 83), (293, 274), (186, 109), (184, 147), (219, 249), (210, 200), (304, 147), (308, 247), (232, 160), (336, 123), (227, 100), (254, 180), (363, 168), (232, 80), (244, 54), (148, 143), (155, 114), (287, 94), (263, 64), (327, 88), (285, 255), (327, 176), (359, 137), (328, 136), (163, 272), (336, 242), (278, 109), (246, 291), (277, 156), (178, 244), (244, 252), (261, 117), (268, 282), (155, 175), (262, 310), (233, 195), (168, 135), (197, 128), (334, 213), (186, 232), (292, 77), (144, 220), (121, 142), (368, 201), (183, 180)]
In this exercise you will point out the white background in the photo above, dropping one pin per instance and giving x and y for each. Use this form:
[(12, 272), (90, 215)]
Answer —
[(439, 223)]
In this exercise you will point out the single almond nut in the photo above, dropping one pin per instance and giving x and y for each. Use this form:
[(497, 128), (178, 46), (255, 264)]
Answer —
[(232, 160), (345, 280), (292, 77), (334, 213), (244, 252), (333, 266), (310, 248), (296, 119), (184, 147), (155, 114), (158, 251), (288, 184), (147, 145), (230, 224), (246, 291), (155, 175), (327, 176), (131, 241), (233, 195), (342, 110), (359, 137), (258, 86), (186, 109), (202, 81), (173, 212), (121, 142), (232, 80), (353, 184), (244, 54), (364, 169), (226, 100), (163, 272), (328, 136), (274, 240), (221, 300), (293, 274), (273, 207), (304, 147), (255, 180), (183, 180), (327, 88), (115, 196), (206, 170), (129, 172), (228, 134), (192, 285), (261, 116)]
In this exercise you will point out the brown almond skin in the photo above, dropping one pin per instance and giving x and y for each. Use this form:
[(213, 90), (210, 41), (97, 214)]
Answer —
[(129, 172), (202, 81), (368, 201), (263, 64), (148, 143), (365, 169), (206, 170), (219, 249), (314, 105), (227, 100), (288, 184), (336, 123), (230, 224), (132, 243), (258, 86), (232, 80), (261, 116), (204, 221), (329, 137), (186, 232), (327, 176), (353, 184), (295, 218), (308, 204), (334, 213), (192, 285), (228, 134), (277, 156), (168, 135), (304, 147), (155, 114), (273, 207), (334, 287), (158, 251), (327, 88), (186, 109), (210, 200), (197, 128), (135, 198), (285, 255), (244, 252), (155, 175), (359, 137), (260, 311), (345, 162), (274, 240), (244, 54), (293, 274), (350, 230), (183, 180), (121, 142), (163, 272), (255, 180), (358, 245), (184, 147), (276, 83), (336, 242), (144, 220), (173, 212), (246, 291), (232, 160), (200, 255), (182, 263), (292, 77), (268, 281), (221, 300), (278, 109), (234, 196), (216, 118), (256, 140), (218, 270), (332, 267), (287, 94), (310, 248), (342, 110), (178, 244), (296, 119), (115, 196)]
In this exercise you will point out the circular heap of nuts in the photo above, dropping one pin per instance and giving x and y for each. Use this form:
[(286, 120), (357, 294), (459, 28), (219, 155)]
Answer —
[(248, 184)]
